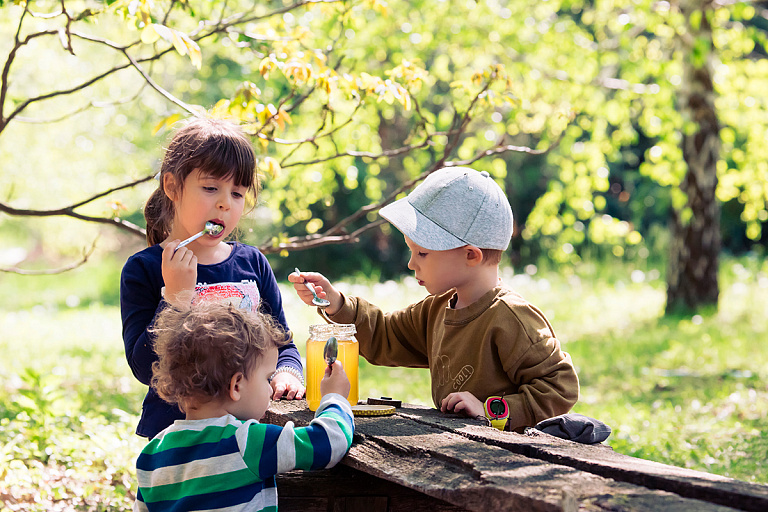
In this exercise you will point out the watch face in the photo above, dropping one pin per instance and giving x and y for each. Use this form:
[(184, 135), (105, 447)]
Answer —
[(497, 407)]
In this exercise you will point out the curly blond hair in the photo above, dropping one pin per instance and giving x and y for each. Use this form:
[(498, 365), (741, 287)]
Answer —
[(201, 348)]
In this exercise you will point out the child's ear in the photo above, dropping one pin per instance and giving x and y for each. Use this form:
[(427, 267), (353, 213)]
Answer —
[(235, 384), (169, 186), (474, 255)]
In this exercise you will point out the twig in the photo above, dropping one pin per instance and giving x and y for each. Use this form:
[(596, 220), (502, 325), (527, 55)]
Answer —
[(46, 272), (68, 211)]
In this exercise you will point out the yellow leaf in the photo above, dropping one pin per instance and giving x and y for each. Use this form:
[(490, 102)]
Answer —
[(262, 114), (163, 31), (168, 121), (221, 108), (266, 66), (195, 55), (324, 83), (406, 101), (270, 166), (149, 35), (178, 42)]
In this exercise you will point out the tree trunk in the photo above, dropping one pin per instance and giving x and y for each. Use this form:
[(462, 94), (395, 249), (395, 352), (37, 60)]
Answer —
[(692, 280)]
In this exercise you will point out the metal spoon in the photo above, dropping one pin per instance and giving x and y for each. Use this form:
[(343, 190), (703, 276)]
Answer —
[(317, 301), (210, 228), (331, 350)]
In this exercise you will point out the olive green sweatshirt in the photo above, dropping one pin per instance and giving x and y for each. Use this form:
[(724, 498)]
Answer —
[(499, 345)]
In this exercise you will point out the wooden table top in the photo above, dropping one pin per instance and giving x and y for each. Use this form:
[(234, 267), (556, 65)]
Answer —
[(463, 462)]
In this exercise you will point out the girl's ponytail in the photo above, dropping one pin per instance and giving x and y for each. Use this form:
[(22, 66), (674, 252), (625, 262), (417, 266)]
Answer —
[(158, 213)]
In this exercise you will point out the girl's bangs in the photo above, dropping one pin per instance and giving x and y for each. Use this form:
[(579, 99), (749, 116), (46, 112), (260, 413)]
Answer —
[(229, 158)]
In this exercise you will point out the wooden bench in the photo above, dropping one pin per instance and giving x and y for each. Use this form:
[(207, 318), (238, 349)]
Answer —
[(421, 459)]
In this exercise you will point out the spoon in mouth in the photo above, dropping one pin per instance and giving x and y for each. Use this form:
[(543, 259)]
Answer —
[(211, 228), (331, 350), (317, 301)]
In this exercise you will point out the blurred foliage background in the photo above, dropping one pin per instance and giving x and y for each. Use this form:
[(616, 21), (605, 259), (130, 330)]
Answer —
[(575, 107), (572, 106)]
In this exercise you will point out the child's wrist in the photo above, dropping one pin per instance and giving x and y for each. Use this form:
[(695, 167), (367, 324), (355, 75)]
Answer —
[(336, 305), (291, 370)]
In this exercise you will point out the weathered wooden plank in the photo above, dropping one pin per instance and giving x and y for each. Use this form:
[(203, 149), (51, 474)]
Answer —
[(483, 477), (602, 460), (419, 449)]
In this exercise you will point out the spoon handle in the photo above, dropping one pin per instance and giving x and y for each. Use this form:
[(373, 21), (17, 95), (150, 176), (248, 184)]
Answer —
[(306, 283), (190, 239)]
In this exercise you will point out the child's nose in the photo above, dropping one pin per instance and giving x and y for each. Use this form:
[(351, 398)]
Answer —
[(224, 202)]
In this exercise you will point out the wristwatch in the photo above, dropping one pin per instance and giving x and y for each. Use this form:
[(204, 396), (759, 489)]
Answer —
[(497, 411)]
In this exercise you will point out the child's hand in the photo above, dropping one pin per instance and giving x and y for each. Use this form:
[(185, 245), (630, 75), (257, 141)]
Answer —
[(464, 403), (335, 380), (326, 290), (285, 385), (179, 273)]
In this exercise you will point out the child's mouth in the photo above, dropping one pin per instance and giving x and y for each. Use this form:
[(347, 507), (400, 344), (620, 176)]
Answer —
[(217, 228)]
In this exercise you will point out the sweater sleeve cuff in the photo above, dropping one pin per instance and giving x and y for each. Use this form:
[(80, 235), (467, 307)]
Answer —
[(333, 399), (347, 313), (517, 413)]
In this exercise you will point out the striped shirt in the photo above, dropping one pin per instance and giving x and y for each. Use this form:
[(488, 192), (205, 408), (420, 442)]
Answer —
[(229, 465)]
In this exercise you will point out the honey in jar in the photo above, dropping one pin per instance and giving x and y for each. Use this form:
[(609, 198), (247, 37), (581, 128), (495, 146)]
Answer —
[(348, 356)]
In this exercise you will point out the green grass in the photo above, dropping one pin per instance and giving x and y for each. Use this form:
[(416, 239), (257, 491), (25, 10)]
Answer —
[(687, 391)]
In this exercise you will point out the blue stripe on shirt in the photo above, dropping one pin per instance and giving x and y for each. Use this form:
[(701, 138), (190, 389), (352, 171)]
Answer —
[(186, 454), (268, 460), (321, 445), (215, 500)]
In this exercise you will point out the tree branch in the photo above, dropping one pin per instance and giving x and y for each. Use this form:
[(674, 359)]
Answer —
[(47, 272), (302, 243), (68, 211)]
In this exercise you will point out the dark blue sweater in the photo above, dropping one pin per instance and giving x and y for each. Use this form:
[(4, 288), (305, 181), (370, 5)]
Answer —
[(245, 273)]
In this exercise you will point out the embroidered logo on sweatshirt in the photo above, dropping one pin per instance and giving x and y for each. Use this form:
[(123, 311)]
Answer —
[(444, 373)]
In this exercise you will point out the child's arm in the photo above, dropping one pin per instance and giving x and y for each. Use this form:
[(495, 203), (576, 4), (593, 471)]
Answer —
[(390, 339), (543, 375), (320, 445), (271, 450), (140, 300), (287, 382), (548, 387)]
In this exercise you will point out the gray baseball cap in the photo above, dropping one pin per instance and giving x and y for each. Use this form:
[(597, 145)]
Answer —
[(453, 207)]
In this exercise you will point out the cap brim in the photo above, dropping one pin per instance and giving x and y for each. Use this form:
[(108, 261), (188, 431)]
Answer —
[(419, 228)]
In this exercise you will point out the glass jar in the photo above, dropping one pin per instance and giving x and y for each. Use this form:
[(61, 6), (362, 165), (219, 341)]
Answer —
[(348, 355)]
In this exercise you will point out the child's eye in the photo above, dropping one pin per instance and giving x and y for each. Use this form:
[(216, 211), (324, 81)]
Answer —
[(209, 189), (422, 254), (237, 195)]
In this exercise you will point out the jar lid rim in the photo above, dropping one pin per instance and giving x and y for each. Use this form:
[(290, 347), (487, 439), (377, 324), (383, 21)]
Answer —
[(333, 327)]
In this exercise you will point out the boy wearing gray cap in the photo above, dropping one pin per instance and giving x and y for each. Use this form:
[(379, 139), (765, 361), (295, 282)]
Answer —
[(490, 352)]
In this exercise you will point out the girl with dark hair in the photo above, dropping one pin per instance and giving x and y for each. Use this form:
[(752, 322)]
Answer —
[(207, 173)]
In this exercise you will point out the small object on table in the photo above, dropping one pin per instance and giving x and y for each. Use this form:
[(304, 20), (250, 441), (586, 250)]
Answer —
[(372, 410), (385, 400)]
